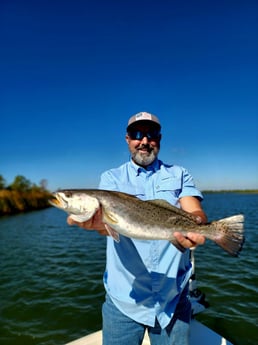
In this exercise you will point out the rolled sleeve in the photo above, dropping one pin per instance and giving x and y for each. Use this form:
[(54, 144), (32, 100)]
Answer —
[(188, 186)]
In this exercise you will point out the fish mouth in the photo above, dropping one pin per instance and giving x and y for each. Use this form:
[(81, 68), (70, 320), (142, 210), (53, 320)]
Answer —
[(54, 201), (57, 201)]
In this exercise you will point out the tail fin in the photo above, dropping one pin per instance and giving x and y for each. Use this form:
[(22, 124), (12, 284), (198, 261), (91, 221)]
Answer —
[(231, 234)]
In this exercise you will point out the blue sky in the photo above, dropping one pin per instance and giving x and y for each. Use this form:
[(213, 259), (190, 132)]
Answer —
[(73, 72)]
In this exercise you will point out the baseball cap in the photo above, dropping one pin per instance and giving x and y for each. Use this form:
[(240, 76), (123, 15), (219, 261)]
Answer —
[(143, 116)]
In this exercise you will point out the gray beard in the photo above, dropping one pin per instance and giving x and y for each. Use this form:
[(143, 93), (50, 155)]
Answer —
[(143, 159)]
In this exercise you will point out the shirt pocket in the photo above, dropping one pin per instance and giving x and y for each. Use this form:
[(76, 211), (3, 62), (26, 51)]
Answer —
[(169, 188)]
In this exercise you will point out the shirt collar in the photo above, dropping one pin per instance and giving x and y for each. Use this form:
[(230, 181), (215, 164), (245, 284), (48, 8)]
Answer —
[(154, 166)]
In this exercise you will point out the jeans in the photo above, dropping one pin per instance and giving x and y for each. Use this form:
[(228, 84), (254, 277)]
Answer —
[(119, 329)]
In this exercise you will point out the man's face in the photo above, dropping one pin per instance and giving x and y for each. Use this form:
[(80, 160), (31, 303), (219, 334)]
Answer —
[(144, 143)]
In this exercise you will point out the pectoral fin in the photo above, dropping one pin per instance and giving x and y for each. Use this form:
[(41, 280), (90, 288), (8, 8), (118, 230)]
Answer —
[(109, 218), (112, 233)]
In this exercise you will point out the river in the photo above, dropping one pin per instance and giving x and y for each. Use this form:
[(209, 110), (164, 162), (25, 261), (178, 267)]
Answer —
[(51, 277)]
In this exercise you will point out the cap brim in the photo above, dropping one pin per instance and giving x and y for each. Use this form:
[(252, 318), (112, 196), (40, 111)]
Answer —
[(144, 122)]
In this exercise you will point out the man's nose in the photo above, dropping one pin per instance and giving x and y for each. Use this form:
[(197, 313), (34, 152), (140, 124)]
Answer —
[(145, 140)]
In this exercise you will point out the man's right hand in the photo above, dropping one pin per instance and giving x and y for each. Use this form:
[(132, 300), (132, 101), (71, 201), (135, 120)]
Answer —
[(94, 223)]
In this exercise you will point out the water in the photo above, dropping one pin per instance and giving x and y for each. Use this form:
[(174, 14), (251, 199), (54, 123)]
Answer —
[(51, 277)]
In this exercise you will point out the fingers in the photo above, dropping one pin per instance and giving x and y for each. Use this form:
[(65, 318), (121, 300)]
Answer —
[(86, 225), (103, 232), (196, 238), (94, 223), (191, 240), (70, 221)]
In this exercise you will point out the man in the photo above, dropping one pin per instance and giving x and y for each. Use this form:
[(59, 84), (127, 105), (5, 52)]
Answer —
[(147, 281)]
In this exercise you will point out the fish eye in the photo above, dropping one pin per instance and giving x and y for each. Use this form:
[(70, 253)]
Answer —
[(68, 194)]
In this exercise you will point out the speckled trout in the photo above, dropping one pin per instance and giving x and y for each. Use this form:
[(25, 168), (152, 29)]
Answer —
[(148, 220)]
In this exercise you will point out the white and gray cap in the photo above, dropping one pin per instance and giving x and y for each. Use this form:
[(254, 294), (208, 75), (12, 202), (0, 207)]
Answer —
[(143, 116)]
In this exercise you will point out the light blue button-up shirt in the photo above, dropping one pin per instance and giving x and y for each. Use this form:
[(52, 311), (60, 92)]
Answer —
[(145, 278)]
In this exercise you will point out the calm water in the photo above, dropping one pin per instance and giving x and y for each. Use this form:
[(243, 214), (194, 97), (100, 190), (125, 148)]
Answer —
[(51, 277)]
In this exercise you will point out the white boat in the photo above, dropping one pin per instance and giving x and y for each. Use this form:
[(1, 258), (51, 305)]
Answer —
[(199, 335)]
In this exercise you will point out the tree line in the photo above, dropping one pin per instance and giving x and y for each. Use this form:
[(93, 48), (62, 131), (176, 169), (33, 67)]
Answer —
[(22, 184), (22, 195)]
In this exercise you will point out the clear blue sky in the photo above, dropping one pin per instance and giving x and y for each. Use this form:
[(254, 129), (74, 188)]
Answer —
[(73, 72)]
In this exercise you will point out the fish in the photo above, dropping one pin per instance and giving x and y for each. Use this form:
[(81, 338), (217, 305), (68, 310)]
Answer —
[(127, 215)]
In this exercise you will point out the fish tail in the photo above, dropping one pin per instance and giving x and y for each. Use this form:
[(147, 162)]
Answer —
[(230, 234)]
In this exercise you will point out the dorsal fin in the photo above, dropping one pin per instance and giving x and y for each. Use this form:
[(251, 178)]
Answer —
[(162, 203)]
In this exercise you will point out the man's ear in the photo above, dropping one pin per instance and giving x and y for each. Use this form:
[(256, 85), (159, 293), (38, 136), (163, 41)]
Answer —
[(127, 138)]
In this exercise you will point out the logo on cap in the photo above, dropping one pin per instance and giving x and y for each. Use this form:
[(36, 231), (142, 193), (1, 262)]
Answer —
[(143, 116)]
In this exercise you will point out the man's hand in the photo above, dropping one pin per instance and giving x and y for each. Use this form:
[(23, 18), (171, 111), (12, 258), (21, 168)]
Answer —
[(192, 239), (94, 223)]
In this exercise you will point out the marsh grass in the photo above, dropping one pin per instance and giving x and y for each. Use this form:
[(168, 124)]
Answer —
[(12, 201)]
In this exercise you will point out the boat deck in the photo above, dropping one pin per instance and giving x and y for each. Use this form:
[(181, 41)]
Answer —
[(199, 335)]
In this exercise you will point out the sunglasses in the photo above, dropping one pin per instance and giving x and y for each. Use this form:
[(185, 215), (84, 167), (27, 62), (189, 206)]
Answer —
[(139, 135)]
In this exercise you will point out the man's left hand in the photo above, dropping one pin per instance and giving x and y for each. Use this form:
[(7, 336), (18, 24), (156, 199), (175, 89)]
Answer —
[(192, 239)]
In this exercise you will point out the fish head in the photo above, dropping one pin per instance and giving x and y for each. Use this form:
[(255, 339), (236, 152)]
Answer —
[(79, 204), (59, 200)]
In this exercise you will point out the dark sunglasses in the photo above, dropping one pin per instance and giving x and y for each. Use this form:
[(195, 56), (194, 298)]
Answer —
[(139, 135)]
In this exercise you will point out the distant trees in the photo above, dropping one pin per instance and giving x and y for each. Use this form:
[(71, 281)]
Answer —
[(43, 184), (2, 182), (22, 195), (22, 184)]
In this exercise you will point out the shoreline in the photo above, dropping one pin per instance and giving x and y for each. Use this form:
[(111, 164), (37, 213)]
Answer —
[(14, 202), (236, 191)]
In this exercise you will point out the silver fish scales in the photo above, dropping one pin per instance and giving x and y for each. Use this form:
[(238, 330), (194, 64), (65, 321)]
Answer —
[(148, 220)]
